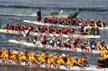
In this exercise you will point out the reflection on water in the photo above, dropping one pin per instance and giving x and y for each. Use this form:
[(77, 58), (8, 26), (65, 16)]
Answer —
[(13, 68), (23, 68), (27, 68)]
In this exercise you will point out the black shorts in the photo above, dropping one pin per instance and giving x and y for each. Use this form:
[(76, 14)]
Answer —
[(106, 62), (100, 62), (83, 47), (103, 62)]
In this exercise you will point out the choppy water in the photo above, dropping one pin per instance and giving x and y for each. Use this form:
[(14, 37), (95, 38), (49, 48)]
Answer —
[(91, 9)]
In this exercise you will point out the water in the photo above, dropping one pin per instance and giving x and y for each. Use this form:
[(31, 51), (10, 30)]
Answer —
[(91, 9), (57, 6)]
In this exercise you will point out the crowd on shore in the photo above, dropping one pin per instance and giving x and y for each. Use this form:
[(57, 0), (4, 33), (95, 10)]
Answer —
[(51, 60)]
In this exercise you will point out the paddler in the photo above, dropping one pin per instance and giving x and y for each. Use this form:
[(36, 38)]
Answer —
[(44, 40), (5, 56), (55, 20), (57, 30), (32, 58), (65, 31), (42, 58), (71, 62), (51, 60), (23, 58), (23, 28), (80, 22), (61, 60), (17, 28), (43, 29), (14, 57), (27, 34), (99, 23), (82, 62), (91, 23), (84, 45), (31, 27), (51, 29)]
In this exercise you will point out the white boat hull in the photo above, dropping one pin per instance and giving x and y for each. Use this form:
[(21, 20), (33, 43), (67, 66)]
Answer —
[(47, 24), (31, 45), (4, 31)]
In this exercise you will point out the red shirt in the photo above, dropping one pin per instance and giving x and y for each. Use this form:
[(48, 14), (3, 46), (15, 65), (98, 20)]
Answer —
[(58, 31), (31, 27), (65, 44), (50, 30), (69, 30), (65, 31), (17, 27), (23, 28), (44, 41), (45, 20), (10, 27), (55, 21), (49, 19), (43, 29), (79, 22)]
